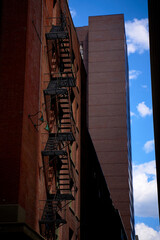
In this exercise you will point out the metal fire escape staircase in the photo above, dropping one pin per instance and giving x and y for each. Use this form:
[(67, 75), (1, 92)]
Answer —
[(57, 162), (57, 165)]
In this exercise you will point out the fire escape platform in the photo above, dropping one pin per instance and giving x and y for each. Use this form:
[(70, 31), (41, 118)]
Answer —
[(53, 152), (57, 32), (57, 221), (51, 90), (56, 35), (66, 136), (64, 196), (63, 82)]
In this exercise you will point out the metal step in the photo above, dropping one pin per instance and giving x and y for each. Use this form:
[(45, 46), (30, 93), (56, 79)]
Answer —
[(63, 174), (65, 57), (63, 47), (65, 53), (63, 118), (64, 128), (66, 189), (64, 97), (63, 184), (65, 41), (67, 67), (66, 179), (64, 103), (66, 113), (63, 50), (65, 108), (67, 63), (65, 122), (67, 72)]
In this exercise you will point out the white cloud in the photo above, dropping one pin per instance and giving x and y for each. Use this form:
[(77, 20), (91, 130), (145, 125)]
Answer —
[(73, 12), (143, 109), (146, 233), (149, 146), (132, 114), (137, 35), (145, 190), (144, 86), (133, 74)]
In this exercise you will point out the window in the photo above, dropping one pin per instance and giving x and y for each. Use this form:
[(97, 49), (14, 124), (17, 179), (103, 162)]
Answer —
[(81, 49), (54, 2), (70, 234)]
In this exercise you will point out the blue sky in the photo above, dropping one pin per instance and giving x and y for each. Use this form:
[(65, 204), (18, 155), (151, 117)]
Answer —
[(143, 154)]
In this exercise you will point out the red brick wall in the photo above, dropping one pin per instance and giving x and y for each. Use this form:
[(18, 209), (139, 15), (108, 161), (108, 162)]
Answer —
[(30, 152), (19, 95), (23, 65), (12, 74)]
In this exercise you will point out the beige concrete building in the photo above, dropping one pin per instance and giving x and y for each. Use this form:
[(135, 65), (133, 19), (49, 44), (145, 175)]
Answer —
[(103, 47)]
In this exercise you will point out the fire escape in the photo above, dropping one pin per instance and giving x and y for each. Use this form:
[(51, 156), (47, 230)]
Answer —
[(57, 163)]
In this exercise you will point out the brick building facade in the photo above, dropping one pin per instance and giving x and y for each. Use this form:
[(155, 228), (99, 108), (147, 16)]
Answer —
[(49, 188), (41, 71)]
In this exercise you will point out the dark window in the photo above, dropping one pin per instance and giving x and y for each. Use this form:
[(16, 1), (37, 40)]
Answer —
[(72, 96), (54, 2), (70, 234), (73, 56)]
